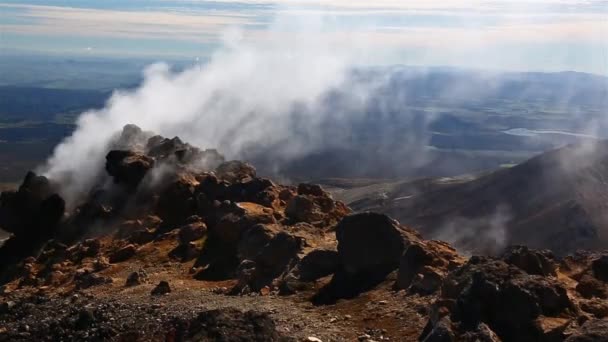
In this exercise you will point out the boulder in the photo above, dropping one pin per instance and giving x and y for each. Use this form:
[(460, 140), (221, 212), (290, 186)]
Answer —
[(34, 210), (600, 268), (317, 264), (597, 307), (512, 303), (128, 167), (589, 287), (592, 331), (176, 202), (161, 289), (370, 242), (235, 171), (424, 264), (539, 262), (136, 278), (123, 254), (242, 217), (85, 278), (192, 231), (303, 209)]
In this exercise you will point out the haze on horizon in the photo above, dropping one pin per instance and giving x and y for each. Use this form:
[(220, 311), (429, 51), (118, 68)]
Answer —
[(536, 35)]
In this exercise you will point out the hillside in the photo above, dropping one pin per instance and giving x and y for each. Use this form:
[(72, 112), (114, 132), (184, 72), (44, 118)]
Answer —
[(557, 200)]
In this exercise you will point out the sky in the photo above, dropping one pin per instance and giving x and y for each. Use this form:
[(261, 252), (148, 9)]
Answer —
[(528, 35)]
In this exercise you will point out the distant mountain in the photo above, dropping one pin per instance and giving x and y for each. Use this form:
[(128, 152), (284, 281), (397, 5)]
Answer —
[(557, 200)]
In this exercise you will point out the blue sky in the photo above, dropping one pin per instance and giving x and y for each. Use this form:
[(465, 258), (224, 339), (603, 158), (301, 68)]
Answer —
[(515, 35)]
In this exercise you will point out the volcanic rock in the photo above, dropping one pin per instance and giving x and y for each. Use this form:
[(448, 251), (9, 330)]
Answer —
[(370, 242), (161, 289), (592, 331), (128, 167), (515, 305), (424, 264), (600, 268), (176, 202), (85, 278), (136, 278), (590, 287), (192, 231), (539, 262), (235, 171), (317, 264), (123, 254)]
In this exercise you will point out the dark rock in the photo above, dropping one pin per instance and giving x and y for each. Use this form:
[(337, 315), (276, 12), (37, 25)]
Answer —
[(161, 289), (370, 242), (136, 278), (539, 262), (317, 264), (229, 325), (310, 189), (303, 209), (441, 332), (600, 268), (123, 254), (424, 265), (192, 231), (509, 301), (235, 171), (482, 333), (592, 331), (128, 167), (86, 278), (597, 307), (176, 202), (590, 287)]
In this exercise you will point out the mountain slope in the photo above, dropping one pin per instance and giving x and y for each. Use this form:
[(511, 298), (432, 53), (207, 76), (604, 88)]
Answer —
[(557, 200)]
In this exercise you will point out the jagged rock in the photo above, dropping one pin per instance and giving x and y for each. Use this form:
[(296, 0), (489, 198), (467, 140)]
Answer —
[(317, 264), (370, 242), (85, 278), (482, 333), (310, 189), (253, 240), (595, 306), (192, 231), (161, 289), (128, 167), (33, 210), (185, 251), (590, 287), (302, 208), (235, 171), (176, 203), (510, 301), (123, 254), (552, 328), (592, 331), (600, 268), (441, 332), (424, 265), (142, 236), (539, 262), (136, 278), (243, 216), (101, 264), (92, 247)]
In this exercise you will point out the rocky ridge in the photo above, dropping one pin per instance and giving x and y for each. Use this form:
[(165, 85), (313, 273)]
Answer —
[(181, 245)]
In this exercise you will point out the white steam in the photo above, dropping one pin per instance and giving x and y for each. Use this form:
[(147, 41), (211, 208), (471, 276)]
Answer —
[(239, 100)]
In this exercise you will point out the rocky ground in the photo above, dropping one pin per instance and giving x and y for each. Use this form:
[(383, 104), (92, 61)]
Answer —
[(176, 244)]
